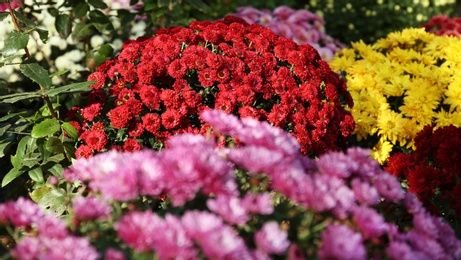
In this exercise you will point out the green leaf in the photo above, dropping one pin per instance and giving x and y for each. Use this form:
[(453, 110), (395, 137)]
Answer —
[(13, 98), (24, 19), (70, 150), (80, 9), (17, 159), (70, 130), (36, 73), (59, 73), (16, 41), (11, 175), (43, 34), (63, 25), (4, 128), (125, 17), (163, 3), (99, 4), (54, 145), (36, 174), (82, 30), (101, 54), (5, 145), (31, 160), (53, 201), (55, 158), (100, 21), (45, 128), (71, 88), (3, 15), (56, 170), (199, 5), (39, 193)]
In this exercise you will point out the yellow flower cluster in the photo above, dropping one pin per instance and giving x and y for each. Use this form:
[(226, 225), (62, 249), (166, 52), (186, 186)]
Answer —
[(401, 83)]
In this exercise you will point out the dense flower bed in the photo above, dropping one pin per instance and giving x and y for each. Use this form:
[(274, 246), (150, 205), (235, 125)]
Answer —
[(255, 201), (157, 86), (302, 26), (433, 170), (444, 25), (400, 84)]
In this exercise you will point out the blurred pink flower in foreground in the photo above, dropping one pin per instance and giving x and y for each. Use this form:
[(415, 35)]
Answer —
[(4, 6)]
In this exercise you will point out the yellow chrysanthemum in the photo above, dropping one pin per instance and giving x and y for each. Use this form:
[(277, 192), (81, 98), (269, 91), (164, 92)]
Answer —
[(401, 83), (390, 125), (381, 151), (453, 96)]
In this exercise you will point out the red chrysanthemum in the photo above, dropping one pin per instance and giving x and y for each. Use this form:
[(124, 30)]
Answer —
[(119, 116), (95, 139), (91, 111), (171, 119), (131, 145), (165, 81), (83, 151), (151, 122)]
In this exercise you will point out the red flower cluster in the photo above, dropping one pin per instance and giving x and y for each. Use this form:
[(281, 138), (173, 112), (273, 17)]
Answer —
[(156, 87), (433, 170), (443, 25)]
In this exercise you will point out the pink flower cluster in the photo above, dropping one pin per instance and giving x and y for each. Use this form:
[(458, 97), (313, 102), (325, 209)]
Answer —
[(301, 26), (444, 25), (48, 236), (14, 5), (350, 188)]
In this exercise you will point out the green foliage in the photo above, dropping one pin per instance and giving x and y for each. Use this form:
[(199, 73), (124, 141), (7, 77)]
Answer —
[(370, 20)]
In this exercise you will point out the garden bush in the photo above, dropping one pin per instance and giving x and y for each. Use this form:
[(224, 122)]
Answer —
[(400, 84), (370, 20), (157, 86), (260, 200)]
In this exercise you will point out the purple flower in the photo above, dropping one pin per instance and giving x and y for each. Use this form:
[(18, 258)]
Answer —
[(271, 239), (136, 229), (250, 14), (23, 212), (370, 222), (389, 187), (222, 122), (190, 170), (402, 251), (331, 193), (87, 208), (426, 245), (252, 132), (364, 192), (121, 184), (114, 254), (231, 209), (115, 175), (260, 203), (51, 226), (336, 164), (283, 12), (368, 167), (447, 238), (216, 240), (171, 240), (68, 248), (341, 242), (152, 175), (413, 204), (255, 158), (28, 248)]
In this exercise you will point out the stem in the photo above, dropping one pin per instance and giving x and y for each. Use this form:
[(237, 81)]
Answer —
[(16, 26)]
